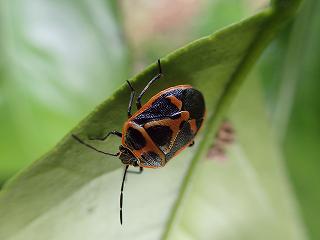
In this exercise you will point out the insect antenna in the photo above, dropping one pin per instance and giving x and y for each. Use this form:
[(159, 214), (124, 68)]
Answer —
[(121, 193), (92, 147)]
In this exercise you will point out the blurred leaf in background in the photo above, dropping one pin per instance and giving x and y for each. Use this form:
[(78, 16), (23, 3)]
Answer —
[(166, 25), (59, 59), (290, 73)]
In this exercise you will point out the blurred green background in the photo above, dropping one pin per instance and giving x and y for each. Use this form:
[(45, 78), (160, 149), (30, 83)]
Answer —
[(59, 59)]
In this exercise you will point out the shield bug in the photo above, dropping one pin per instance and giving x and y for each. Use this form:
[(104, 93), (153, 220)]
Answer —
[(159, 130)]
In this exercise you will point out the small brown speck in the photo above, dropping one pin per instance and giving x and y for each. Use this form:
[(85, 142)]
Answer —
[(224, 137)]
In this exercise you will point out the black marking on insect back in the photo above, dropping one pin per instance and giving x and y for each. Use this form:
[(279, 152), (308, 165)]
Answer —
[(184, 136), (150, 159), (159, 109), (193, 102), (160, 134), (134, 139)]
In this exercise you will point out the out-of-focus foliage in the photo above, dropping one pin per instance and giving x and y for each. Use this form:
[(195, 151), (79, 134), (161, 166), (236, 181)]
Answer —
[(291, 75), (58, 59), (166, 25)]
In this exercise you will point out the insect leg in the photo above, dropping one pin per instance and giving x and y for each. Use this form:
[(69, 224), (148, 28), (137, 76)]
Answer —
[(131, 99), (119, 134), (140, 171), (159, 75), (93, 148), (121, 192)]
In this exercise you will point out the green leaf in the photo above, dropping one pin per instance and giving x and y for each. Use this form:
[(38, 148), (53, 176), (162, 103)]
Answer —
[(72, 192)]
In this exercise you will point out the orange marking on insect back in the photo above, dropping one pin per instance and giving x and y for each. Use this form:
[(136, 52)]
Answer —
[(193, 126), (175, 101), (182, 148), (174, 124), (150, 147)]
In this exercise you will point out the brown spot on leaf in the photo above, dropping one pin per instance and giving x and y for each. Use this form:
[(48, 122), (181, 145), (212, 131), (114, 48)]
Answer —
[(224, 137)]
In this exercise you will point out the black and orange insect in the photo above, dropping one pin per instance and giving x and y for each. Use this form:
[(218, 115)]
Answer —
[(159, 130)]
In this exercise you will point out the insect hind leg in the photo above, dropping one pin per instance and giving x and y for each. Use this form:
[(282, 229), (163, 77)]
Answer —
[(158, 76), (116, 133), (131, 99)]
